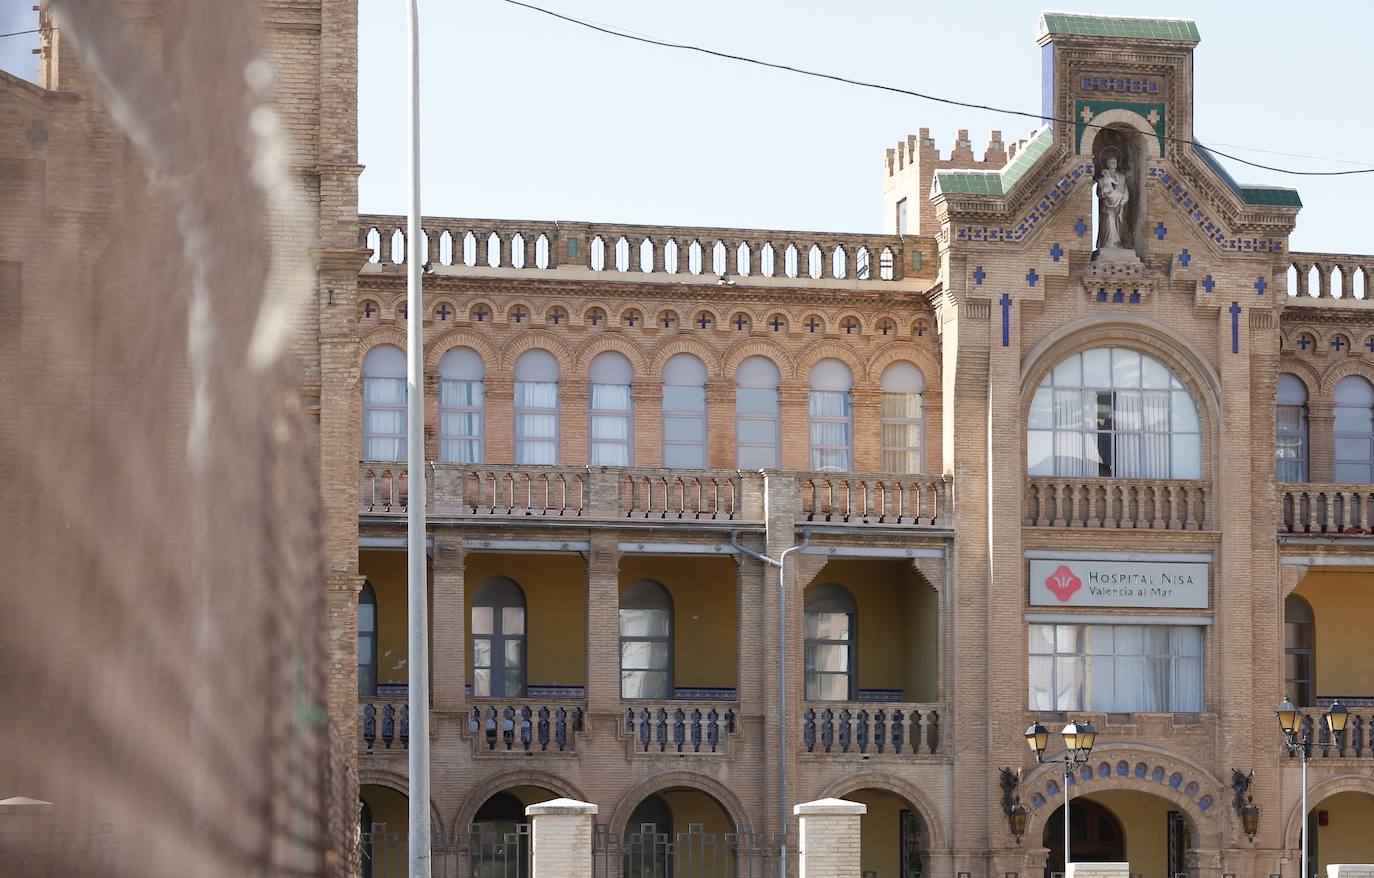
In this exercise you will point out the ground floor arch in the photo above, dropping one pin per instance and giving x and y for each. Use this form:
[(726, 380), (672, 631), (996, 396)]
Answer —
[(1121, 826), (674, 832), (894, 838), (384, 827), (1340, 815)]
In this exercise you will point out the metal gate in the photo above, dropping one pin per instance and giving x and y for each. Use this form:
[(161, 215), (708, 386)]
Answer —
[(649, 853), (485, 851)]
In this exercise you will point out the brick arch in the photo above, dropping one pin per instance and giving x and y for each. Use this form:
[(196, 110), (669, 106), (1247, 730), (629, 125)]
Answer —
[(511, 305), (1206, 822), (724, 796), (550, 305), (718, 317), (865, 325), (445, 299), (1350, 783), (659, 309), (830, 349), (617, 314), (914, 795), (395, 781), (1344, 369), (521, 777), (379, 335), (588, 304), (392, 305), (488, 303), (922, 358), (683, 344), (761, 347), (1305, 372), (461, 337), (609, 341), (1130, 119), (536, 338)]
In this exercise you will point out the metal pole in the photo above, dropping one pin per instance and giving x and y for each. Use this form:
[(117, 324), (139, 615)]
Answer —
[(417, 593), (1066, 815), (1304, 809)]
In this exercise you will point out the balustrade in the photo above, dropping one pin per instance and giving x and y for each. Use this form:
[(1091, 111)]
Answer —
[(859, 498), (872, 729), (524, 726), (1327, 509), (679, 728), (673, 494), (1149, 504), (1329, 277), (1356, 742), (385, 720)]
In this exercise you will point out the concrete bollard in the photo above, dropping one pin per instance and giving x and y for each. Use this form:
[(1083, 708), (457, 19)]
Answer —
[(1350, 870), (1099, 870), (830, 839), (561, 838)]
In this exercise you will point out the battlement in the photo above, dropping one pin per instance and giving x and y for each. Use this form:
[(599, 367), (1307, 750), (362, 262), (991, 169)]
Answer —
[(911, 166)]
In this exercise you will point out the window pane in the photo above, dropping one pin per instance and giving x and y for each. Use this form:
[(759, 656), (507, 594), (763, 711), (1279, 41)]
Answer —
[(461, 450), (644, 623), (902, 405), (642, 654), (1186, 686), (757, 431), (684, 456), (1186, 450), (1098, 640), (644, 684), (367, 617), (482, 620), (757, 458), (1069, 372), (536, 452), (1125, 368), (902, 462), (829, 403), (1041, 639), (829, 459), (1041, 682), (1041, 410), (481, 683), (1350, 419), (610, 454), (536, 394), (541, 426), (1153, 374), (512, 620), (1040, 453), (1099, 683), (611, 396), (384, 391), (515, 683), (365, 650), (1352, 473), (827, 687), (1068, 683), (1130, 684), (683, 399), (1067, 638), (1097, 368), (827, 626), (1352, 449), (1184, 412), (481, 653), (827, 657), (752, 399), (684, 429), (460, 393), (512, 655)]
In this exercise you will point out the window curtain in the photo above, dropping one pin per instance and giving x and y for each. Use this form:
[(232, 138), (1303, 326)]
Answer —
[(610, 433), (830, 430), (536, 432), (384, 418), (1291, 443)]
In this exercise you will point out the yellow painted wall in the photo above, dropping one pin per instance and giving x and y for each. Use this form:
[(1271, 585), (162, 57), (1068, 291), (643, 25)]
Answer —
[(387, 573), (705, 614), (1347, 837), (388, 806), (881, 832), (1342, 603), (693, 806), (555, 587), (1145, 819), (897, 644)]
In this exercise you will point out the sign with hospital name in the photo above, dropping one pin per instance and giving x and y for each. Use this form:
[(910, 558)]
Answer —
[(1107, 583)]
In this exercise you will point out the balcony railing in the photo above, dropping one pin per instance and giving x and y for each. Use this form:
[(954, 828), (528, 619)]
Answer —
[(675, 494), (866, 498), (385, 723), (1326, 509), (678, 728), (1357, 742), (1149, 504), (1330, 279), (868, 729), (525, 726)]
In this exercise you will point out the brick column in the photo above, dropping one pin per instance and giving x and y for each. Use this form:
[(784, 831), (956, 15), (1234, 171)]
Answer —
[(829, 838), (603, 630), (498, 441), (720, 425), (647, 434), (448, 639), (795, 438), (1321, 455), (560, 838), (867, 436), (574, 428)]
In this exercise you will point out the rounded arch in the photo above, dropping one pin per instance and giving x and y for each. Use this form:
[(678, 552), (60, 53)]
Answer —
[(1345, 368), (522, 777), (683, 344), (717, 317), (890, 353), (511, 308), (376, 336), (1126, 119), (461, 337), (1349, 783), (584, 307), (536, 338), (757, 347), (843, 317), (656, 783), (874, 780), (550, 305), (1304, 372), (396, 781), (830, 349), (610, 341)]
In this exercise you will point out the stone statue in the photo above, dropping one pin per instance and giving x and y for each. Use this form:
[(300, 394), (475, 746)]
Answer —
[(1112, 196)]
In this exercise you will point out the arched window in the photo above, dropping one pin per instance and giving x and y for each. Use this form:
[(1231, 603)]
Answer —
[(1299, 651), (611, 410), (646, 641), (536, 408), (684, 412), (1113, 412), (1290, 443), (367, 640), (831, 412), (384, 403), (498, 639), (756, 413), (460, 405), (830, 643), (1353, 430), (902, 385)]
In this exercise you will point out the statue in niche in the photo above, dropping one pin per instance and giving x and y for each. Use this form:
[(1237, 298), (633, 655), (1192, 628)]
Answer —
[(1113, 193)]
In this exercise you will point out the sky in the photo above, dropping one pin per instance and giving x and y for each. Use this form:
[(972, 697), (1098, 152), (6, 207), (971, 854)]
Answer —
[(525, 117)]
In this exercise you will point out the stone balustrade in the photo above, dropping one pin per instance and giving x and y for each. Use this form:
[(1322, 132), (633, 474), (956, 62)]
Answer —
[(1325, 509), (1330, 278), (524, 726), (673, 727), (866, 729), (1149, 504), (678, 494), (867, 498), (621, 249), (385, 723), (1356, 742)]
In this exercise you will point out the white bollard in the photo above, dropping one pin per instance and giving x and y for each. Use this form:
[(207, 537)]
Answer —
[(561, 838), (830, 838), (1350, 870), (1099, 870)]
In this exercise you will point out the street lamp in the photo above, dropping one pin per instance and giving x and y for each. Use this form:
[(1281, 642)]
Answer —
[(1079, 739), (1335, 718)]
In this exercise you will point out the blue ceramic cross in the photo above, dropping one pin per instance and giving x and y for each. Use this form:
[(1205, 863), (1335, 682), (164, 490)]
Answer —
[(1080, 227), (1260, 285), (1185, 257), (443, 311), (978, 275), (1006, 319), (1235, 327), (1208, 284), (1056, 251), (1160, 231), (1032, 277)]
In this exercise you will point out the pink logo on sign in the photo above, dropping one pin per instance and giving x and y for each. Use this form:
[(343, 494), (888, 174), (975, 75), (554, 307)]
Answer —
[(1063, 582)]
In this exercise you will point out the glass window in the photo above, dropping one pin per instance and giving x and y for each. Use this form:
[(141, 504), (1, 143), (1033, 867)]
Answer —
[(612, 416), (1353, 432), (1290, 445), (367, 640), (646, 641), (1113, 412), (901, 426), (384, 403), (498, 639), (684, 412), (1116, 668), (536, 408), (831, 416), (757, 416), (830, 643), (461, 401), (1299, 651)]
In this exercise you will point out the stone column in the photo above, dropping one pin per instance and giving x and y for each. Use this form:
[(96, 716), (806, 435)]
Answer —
[(829, 843), (560, 838)]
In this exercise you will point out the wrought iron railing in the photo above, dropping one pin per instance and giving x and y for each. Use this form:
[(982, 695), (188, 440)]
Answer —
[(651, 851)]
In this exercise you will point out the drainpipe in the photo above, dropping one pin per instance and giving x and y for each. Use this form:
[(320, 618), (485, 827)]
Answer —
[(779, 563)]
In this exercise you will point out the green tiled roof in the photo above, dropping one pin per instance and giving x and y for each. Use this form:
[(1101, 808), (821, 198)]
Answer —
[(996, 182), (1108, 26), (1260, 196)]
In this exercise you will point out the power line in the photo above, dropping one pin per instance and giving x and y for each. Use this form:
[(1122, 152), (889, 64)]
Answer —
[(20, 33), (903, 91)]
